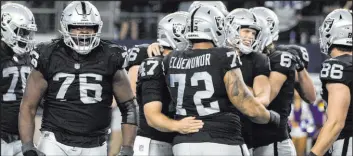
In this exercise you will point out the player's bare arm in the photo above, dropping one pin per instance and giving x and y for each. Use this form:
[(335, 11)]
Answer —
[(306, 88), (133, 71), (242, 99), (127, 105), (161, 122), (338, 103), (35, 88), (262, 89), (276, 81)]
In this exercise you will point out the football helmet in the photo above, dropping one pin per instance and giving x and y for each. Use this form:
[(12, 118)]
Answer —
[(265, 37), (18, 27), (171, 31), (206, 22), (236, 20), (270, 17), (218, 4), (336, 29), (81, 14)]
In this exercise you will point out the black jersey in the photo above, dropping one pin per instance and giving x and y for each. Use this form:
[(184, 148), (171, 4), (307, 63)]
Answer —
[(79, 93), (263, 134), (253, 65), (339, 70), (14, 71), (151, 86), (195, 80), (136, 55)]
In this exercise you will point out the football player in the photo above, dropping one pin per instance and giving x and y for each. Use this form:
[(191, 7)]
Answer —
[(303, 84), (17, 31), (154, 48), (243, 33), (337, 84), (153, 95), (205, 82), (218, 4), (284, 66), (77, 75)]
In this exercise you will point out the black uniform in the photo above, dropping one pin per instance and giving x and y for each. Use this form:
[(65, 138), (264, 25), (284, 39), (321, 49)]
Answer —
[(195, 81), (151, 86), (282, 62), (14, 71), (339, 70), (253, 65), (77, 107), (136, 55), (149, 89)]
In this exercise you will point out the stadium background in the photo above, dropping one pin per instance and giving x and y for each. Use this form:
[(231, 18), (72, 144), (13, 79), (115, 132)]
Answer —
[(135, 22)]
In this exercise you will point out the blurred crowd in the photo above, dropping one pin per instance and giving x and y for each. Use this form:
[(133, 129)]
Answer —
[(298, 19)]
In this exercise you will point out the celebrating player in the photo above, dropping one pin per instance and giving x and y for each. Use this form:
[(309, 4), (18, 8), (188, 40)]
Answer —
[(205, 82)]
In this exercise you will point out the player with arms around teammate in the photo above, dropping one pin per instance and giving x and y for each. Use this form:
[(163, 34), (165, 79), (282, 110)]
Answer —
[(206, 82), (243, 33), (17, 32), (268, 139), (153, 95), (303, 83), (337, 84), (77, 75)]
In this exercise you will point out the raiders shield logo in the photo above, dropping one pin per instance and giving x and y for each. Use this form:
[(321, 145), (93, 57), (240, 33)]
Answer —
[(328, 24), (178, 29), (219, 22), (6, 18), (270, 23)]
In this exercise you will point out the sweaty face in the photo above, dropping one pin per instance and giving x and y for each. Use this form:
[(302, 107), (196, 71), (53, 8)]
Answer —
[(247, 35)]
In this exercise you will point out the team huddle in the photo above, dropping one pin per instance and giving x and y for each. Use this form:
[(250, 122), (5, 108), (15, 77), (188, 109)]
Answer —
[(214, 83)]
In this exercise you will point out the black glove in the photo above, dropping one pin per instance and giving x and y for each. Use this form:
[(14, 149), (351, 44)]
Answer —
[(28, 149), (300, 64), (296, 50), (275, 118), (126, 151)]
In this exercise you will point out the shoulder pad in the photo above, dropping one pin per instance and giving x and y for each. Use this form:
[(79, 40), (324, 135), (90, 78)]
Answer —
[(136, 55), (151, 68), (337, 70)]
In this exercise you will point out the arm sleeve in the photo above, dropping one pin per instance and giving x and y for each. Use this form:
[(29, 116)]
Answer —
[(231, 59)]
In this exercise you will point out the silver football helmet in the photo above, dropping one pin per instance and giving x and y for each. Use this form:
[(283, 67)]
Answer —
[(206, 22), (171, 31), (336, 29), (81, 14), (265, 37), (18, 27), (236, 20), (270, 17), (218, 4)]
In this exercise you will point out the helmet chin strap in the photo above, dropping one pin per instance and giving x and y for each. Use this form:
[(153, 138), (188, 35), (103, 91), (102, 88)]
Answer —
[(244, 49)]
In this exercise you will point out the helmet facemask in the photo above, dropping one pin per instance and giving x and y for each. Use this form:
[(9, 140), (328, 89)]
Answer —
[(19, 35), (234, 38), (81, 26), (82, 43)]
